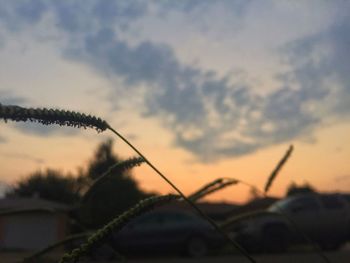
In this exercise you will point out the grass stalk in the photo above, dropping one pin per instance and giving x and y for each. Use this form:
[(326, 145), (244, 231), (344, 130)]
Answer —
[(315, 246), (74, 119), (116, 224), (277, 169), (199, 211), (212, 187), (47, 116), (116, 168), (268, 184)]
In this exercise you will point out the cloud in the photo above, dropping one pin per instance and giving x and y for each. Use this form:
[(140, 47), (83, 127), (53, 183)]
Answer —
[(8, 98), (211, 116), (203, 6), (320, 69), (82, 16), (18, 15)]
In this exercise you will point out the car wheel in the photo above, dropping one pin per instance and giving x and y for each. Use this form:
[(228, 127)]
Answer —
[(196, 247), (275, 239)]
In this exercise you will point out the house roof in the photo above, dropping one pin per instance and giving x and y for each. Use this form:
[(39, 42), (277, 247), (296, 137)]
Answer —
[(18, 204)]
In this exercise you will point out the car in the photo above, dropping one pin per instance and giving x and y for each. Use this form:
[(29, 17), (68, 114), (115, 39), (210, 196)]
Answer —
[(320, 218), (168, 231)]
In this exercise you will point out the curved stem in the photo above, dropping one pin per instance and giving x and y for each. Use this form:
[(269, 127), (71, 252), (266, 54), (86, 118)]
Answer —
[(200, 212)]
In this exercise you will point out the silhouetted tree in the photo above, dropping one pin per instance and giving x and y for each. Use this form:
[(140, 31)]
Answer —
[(102, 160), (50, 184), (114, 195), (293, 189)]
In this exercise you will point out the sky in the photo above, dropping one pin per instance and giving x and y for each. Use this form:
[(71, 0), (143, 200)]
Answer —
[(205, 89)]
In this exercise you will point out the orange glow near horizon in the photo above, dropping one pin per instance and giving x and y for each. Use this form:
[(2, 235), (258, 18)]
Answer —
[(323, 164), (264, 72)]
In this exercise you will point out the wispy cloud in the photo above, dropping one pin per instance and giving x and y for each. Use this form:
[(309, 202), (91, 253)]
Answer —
[(8, 98), (210, 115), (320, 68)]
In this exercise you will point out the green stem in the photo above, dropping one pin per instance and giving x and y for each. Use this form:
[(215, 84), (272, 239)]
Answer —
[(200, 212)]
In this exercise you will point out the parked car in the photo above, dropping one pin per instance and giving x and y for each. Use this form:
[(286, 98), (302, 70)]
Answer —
[(323, 218), (168, 231)]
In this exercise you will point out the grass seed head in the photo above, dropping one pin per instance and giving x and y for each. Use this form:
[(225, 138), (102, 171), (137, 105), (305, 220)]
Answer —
[(47, 116), (116, 224)]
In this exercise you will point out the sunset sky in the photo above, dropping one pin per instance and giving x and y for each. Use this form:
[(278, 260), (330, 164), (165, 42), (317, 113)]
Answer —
[(205, 89)]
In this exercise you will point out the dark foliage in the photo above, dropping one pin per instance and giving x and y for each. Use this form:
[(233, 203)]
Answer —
[(114, 194), (102, 160), (293, 189), (50, 184)]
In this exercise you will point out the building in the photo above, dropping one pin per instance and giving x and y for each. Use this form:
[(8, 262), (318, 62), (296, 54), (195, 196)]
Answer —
[(31, 223)]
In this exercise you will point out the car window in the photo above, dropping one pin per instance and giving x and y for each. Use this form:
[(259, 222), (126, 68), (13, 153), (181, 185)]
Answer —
[(296, 204), (331, 202), (280, 205)]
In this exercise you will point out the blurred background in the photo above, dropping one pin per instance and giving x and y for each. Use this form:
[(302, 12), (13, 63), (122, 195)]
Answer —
[(205, 89)]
